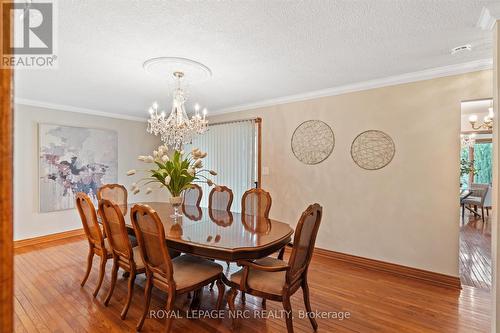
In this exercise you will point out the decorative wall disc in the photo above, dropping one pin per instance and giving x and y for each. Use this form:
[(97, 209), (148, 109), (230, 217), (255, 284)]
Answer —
[(312, 142), (372, 150)]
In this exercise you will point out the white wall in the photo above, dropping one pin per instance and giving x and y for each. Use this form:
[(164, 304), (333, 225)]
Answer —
[(406, 213), (28, 221)]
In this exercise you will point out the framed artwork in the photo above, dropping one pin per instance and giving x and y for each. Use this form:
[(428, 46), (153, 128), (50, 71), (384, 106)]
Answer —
[(372, 150), (72, 160), (312, 142)]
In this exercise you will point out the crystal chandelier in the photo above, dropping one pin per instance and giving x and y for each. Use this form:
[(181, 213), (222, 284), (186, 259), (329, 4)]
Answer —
[(177, 129)]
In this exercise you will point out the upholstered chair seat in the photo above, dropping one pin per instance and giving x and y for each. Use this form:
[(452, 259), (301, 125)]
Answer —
[(107, 246), (137, 257), (190, 270), (267, 282)]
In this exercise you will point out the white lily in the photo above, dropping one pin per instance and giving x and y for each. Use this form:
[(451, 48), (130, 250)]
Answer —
[(210, 182), (155, 154), (167, 180), (190, 171), (213, 173), (149, 159), (198, 163), (141, 158), (164, 158), (161, 150), (131, 172), (203, 154), (196, 153)]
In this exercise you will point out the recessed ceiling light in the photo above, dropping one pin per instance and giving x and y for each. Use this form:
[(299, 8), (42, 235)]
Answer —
[(461, 48)]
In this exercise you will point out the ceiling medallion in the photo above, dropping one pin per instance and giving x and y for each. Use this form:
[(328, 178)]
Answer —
[(177, 129)]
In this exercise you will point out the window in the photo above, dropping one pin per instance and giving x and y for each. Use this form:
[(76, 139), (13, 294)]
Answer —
[(482, 162), (481, 154), (232, 149)]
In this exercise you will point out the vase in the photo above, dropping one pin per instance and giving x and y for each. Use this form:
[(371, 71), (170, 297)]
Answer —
[(176, 202)]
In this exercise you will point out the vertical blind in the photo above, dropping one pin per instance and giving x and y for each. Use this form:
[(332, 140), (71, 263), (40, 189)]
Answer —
[(231, 149)]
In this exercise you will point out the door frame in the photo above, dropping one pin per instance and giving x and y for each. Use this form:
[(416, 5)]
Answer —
[(6, 199)]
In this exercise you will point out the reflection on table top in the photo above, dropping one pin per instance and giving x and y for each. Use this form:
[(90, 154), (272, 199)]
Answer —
[(217, 229)]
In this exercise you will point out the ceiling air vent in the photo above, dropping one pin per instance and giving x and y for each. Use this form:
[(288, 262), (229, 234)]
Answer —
[(461, 48)]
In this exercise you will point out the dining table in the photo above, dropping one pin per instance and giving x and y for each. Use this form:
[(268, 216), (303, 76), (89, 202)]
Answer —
[(218, 234)]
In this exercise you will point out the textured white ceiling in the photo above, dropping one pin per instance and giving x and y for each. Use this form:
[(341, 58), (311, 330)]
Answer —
[(257, 50)]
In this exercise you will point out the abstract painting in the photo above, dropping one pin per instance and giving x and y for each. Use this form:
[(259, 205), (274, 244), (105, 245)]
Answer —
[(72, 160)]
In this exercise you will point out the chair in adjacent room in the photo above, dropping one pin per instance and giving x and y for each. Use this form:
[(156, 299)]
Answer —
[(180, 275), (476, 199), (98, 245), (125, 256), (277, 280)]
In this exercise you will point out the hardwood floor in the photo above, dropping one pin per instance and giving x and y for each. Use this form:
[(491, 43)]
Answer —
[(475, 253), (48, 298)]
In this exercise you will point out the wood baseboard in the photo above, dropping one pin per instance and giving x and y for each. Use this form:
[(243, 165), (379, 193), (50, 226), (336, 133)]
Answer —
[(48, 238), (405, 271)]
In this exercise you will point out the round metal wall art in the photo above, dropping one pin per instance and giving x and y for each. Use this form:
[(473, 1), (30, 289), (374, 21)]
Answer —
[(312, 142), (373, 150)]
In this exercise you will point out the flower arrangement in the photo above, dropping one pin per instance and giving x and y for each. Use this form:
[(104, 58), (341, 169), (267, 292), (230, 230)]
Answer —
[(175, 172)]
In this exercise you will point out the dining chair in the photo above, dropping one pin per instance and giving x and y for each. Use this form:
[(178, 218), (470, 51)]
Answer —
[(192, 195), (256, 202), (277, 280), (177, 276), (116, 193), (194, 213), (475, 199), (220, 198), (125, 256), (98, 245)]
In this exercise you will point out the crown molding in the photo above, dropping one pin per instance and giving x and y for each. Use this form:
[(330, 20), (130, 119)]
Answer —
[(70, 108), (427, 74), (488, 17)]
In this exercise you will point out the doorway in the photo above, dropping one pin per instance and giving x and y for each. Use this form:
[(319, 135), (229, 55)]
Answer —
[(475, 193)]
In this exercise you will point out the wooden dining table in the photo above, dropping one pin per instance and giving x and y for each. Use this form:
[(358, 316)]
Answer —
[(218, 234)]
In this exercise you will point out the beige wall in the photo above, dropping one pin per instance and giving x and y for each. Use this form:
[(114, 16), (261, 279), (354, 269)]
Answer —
[(406, 213), (28, 221)]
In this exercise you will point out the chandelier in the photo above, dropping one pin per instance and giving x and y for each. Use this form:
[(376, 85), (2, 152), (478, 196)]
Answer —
[(177, 129), (487, 121)]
